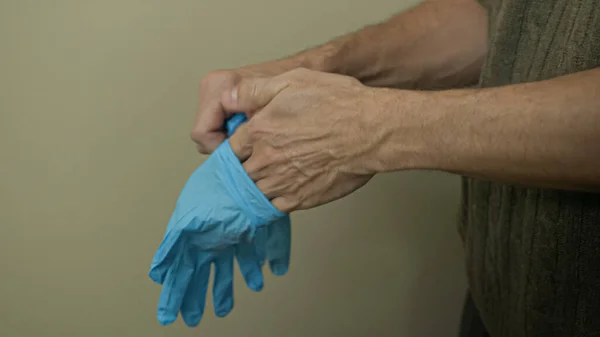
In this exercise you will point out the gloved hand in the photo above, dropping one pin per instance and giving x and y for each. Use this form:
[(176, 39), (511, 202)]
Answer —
[(219, 214)]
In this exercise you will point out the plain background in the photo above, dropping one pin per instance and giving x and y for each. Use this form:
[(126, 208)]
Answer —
[(97, 99)]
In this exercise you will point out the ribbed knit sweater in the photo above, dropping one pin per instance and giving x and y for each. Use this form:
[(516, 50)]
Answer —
[(533, 255)]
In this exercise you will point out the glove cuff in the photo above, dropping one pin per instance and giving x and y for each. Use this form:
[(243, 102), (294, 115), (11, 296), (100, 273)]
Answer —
[(243, 190)]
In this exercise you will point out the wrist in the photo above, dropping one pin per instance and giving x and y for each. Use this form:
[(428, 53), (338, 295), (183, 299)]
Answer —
[(412, 130)]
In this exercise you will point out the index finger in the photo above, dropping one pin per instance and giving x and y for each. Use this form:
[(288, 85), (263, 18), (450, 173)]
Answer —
[(207, 132), (253, 94)]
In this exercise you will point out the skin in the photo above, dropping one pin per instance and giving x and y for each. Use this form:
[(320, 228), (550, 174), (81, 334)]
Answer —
[(324, 121)]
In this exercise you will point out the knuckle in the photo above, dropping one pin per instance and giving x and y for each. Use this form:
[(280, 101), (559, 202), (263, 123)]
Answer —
[(199, 133), (253, 167), (264, 186), (215, 75), (353, 81), (217, 78), (197, 136), (207, 80), (260, 160), (297, 74), (202, 149), (289, 204), (253, 90), (205, 141), (299, 71), (295, 78), (264, 156)]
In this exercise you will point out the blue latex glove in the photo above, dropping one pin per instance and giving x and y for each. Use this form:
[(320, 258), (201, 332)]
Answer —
[(273, 241), (219, 214)]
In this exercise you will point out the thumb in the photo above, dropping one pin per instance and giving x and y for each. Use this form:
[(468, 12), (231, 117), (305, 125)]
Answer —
[(240, 143), (252, 94)]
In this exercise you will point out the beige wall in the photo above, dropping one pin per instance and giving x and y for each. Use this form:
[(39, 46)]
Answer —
[(96, 101)]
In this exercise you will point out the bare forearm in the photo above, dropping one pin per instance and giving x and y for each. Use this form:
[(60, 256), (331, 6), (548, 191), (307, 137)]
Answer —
[(437, 44), (544, 134)]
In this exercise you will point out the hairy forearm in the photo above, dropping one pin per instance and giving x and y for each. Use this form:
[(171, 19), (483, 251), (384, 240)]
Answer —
[(544, 134), (437, 44)]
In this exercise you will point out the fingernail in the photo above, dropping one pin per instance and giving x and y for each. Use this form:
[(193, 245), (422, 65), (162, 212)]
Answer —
[(166, 319), (278, 269), (223, 312), (223, 309), (256, 286), (192, 320)]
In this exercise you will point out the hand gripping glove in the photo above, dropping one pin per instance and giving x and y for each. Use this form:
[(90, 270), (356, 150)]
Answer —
[(219, 214)]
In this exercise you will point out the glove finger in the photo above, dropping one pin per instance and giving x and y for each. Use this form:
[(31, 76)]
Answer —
[(223, 285), (168, 250), (279, 245), (193, 304), (250, 265), (164, 258), (173, 290), (260, 245)]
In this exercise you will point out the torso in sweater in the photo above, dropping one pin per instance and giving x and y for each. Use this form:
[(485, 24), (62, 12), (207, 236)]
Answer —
[(533, 255)]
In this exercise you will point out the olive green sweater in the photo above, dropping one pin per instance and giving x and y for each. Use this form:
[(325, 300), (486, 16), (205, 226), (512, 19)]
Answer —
[(533, 255)]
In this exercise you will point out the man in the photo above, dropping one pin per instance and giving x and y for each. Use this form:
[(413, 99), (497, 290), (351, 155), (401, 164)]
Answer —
[(527, 141)]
